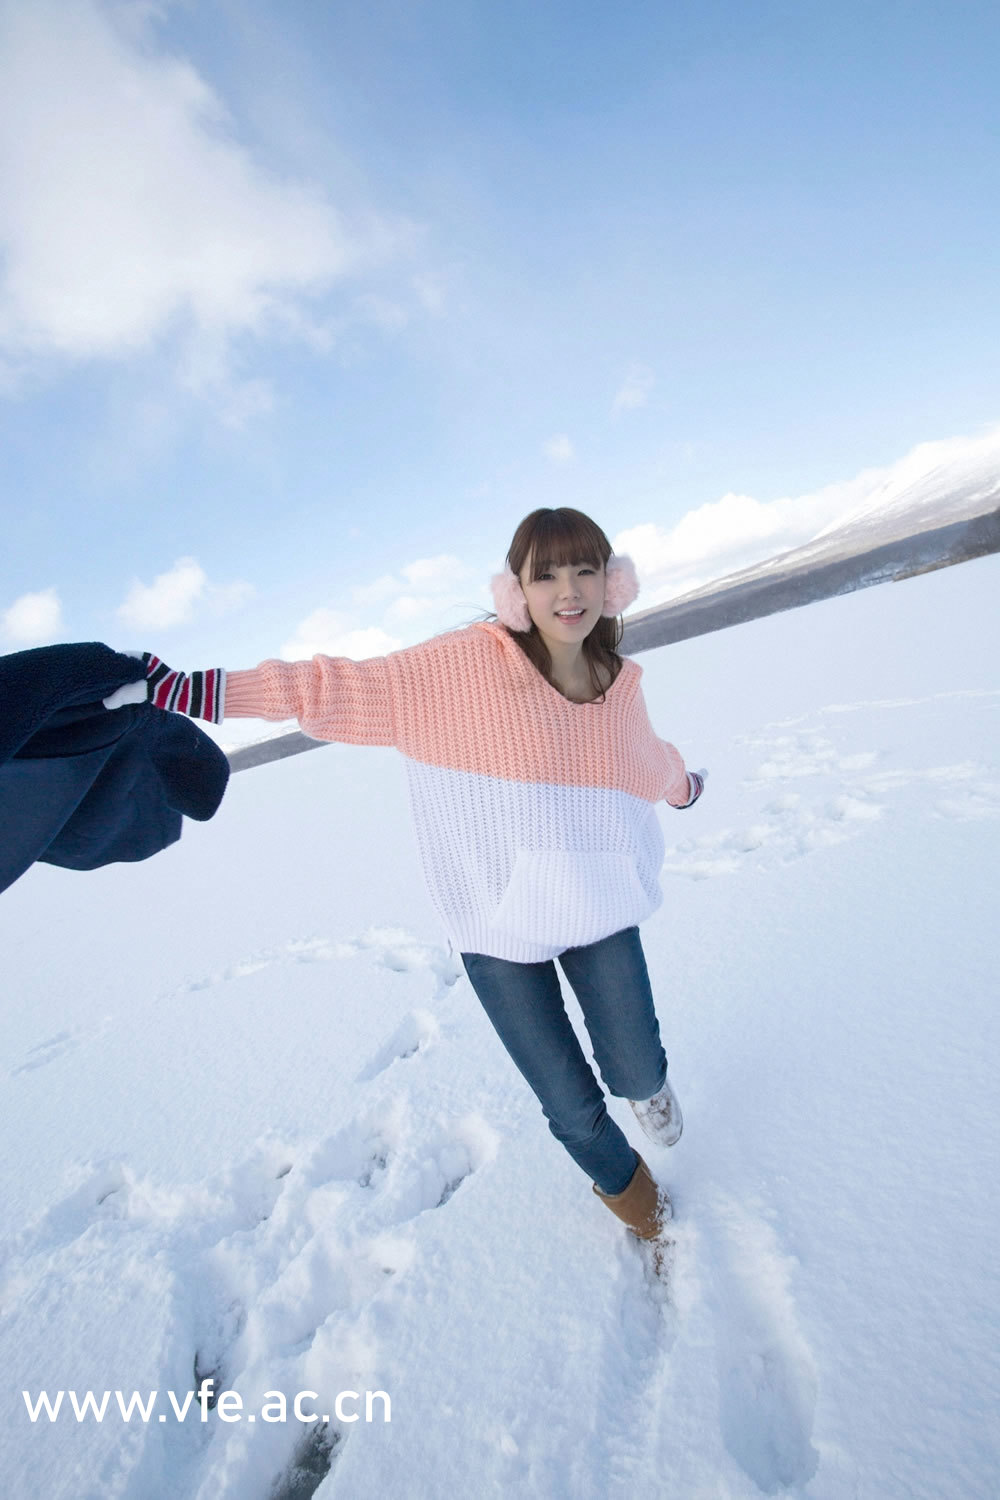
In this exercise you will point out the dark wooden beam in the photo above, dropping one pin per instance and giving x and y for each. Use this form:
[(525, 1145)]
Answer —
[(839, 564), (796, 579)]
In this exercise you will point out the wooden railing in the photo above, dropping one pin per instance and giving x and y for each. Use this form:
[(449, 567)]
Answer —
[(838, 564)]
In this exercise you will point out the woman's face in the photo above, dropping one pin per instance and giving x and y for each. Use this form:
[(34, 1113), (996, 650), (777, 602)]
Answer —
[(564, 602)]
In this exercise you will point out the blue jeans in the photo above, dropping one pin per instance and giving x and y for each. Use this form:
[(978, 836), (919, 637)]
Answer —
[(525, 1004)]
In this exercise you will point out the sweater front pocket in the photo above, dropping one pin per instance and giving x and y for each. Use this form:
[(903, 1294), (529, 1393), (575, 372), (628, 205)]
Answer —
[(571, 897)]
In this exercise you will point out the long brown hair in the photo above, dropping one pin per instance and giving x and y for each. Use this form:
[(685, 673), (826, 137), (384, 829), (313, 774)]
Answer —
[(561, 537)]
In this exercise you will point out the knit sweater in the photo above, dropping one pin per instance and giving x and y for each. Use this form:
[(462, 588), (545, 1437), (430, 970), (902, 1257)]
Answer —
[(535, 815)]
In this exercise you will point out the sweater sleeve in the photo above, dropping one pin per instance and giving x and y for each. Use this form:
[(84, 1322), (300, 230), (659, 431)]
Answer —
[(678, 792), (332, 697), (670, 777)]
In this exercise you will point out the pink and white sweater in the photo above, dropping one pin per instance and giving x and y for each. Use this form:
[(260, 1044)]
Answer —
[(535, 816)]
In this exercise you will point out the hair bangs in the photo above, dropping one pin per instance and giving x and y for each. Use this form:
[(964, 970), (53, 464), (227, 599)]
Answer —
[(555, 538)]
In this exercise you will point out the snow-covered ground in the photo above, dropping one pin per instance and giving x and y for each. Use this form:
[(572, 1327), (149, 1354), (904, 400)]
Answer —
[(256, 1123)]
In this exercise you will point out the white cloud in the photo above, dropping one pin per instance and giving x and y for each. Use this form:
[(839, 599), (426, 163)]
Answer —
[(559, 449), (172, 598), (429, 595), (409, 608), (421, 599), (434, 574), (376, 591), (129, 210), (328, 632), (34, 619), (634, 390), (429, 577)]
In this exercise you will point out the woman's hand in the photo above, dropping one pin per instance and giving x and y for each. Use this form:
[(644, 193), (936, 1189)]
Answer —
[(696, 781), (200, 695)]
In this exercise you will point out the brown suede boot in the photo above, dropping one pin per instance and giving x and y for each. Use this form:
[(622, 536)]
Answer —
[(642, 1205)]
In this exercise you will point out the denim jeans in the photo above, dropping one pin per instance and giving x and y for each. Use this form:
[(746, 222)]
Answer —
[(525, 1004)]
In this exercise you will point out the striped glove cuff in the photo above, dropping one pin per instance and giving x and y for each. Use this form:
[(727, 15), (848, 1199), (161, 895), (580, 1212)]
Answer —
[(200, 695), (696, 784)]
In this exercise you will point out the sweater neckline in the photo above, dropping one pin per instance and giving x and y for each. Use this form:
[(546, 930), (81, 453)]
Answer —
[(532, 671)]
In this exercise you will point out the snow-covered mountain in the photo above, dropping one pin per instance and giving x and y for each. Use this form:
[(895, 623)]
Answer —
[(939, 507), (935, 485)]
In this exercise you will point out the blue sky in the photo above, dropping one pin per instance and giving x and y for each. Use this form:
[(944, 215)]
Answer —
[(303, 306)]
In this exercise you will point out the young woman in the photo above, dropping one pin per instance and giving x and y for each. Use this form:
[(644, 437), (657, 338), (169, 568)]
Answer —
[(534, 775)]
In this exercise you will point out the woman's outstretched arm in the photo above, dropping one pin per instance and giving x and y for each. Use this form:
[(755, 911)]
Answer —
[(332, 697)]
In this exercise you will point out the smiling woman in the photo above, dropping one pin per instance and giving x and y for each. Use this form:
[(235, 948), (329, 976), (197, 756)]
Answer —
[(534, 780)]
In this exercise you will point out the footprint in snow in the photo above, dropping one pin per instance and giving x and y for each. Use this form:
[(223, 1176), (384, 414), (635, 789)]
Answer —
[(235, 1199), (397, 949), (795, 823), (273, 1262), (376, 1163), (415, 1032), (312, 1462), (789, 756), (54, 1047), (789, 828), (767, 1375), (291, 1295), (391, 947), (969, 804), (101, 1193), (405, 1171)]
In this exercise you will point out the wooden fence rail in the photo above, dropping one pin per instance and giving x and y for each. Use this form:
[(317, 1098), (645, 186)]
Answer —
[(838, 564)]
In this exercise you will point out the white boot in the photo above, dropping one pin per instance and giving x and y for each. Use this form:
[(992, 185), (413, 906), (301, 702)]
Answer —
[(660, 1117)]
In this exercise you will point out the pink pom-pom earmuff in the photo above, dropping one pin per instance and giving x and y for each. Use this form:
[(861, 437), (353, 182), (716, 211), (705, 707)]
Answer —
[(622, 585), (621, 589), (509, 601)]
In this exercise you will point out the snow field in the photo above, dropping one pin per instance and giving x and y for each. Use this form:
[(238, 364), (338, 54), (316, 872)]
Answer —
[(262, 1129)]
